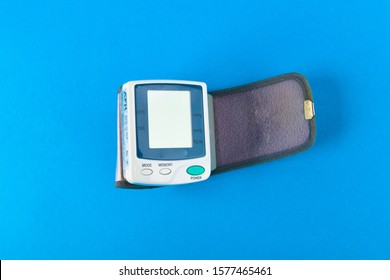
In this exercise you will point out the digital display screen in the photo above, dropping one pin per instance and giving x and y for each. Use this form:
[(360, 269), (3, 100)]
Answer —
[(169, 119)]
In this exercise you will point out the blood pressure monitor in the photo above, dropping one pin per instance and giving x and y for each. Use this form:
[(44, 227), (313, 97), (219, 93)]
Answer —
[(175, 132), (165, 132)]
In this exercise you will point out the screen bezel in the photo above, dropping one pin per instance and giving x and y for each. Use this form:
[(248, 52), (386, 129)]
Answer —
[(142, 129)]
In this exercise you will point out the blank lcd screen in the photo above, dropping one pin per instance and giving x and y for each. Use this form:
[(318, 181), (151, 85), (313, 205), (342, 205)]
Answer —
[(169, 119)]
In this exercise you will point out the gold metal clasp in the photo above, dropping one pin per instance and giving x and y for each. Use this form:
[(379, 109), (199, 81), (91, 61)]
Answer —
[(309, 112)]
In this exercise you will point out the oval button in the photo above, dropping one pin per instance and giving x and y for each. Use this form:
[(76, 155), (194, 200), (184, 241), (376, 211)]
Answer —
[(165, 171), (146, 172), (195, 170)]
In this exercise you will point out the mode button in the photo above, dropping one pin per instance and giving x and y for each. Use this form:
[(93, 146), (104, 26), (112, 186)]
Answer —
[(146, 171)]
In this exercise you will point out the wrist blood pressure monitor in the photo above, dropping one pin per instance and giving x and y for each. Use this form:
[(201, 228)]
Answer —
[(175, 132), (165, 132)]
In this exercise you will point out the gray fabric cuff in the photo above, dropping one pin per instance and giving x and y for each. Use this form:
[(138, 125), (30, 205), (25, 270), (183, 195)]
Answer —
[(262, 121)]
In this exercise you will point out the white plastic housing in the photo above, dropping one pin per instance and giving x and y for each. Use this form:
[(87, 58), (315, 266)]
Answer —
[(136, 170)]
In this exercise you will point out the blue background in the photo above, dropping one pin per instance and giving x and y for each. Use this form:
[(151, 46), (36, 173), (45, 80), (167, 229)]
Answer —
[(61, 64)]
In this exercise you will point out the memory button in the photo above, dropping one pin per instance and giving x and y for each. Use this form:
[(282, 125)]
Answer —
[(165, 171)]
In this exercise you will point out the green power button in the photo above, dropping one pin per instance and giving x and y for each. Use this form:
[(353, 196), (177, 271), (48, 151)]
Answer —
[(195, 170)]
